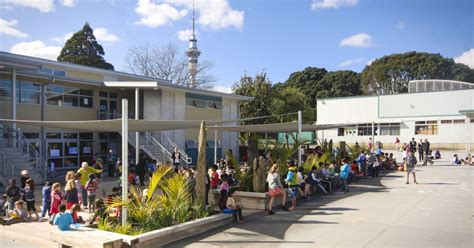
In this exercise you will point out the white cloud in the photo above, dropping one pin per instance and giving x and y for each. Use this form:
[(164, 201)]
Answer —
[(102, 34), (69, 3), (62, 39), (332, 4), (400, 25), (214, 14), (36, 49), (8, 28), (184, 35), (357, 40), (370, 61), (154, 15), (466, 58), (41, 5), (349, 62), (221, 88)]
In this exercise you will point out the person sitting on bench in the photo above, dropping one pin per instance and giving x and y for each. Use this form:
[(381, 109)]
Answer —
[(230, 204)]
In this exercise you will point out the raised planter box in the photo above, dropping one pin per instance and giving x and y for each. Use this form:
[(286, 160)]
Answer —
[(248, 200), (155, 238)]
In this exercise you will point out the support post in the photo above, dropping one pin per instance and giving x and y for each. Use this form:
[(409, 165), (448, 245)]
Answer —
[(300, 120), (14, 134), (124, 158), (373, 135), (266, 143), (215, 146), (137, 134)]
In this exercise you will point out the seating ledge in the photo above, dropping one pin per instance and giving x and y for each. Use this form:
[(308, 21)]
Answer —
[(85, 237)]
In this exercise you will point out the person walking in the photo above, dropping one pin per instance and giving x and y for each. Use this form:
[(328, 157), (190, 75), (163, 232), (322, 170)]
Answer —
[(111, 160), (275, 188), (85, 171), (411, 163)]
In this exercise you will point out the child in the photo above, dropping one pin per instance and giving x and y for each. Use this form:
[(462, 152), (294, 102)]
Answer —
[(275, 188), (223, 193), (344, 174), (214, 177), (91, 188), (46, 199), (17, 215), (71, 194), (115, 193), (225, 183), (411, 162), (56, 198), (3, 205), (230, 204), (30, 197), (302, 183), (64, 219), (132, 177), (76, 218), (100, 211), (292, 181), (79, 187), (13, 193)]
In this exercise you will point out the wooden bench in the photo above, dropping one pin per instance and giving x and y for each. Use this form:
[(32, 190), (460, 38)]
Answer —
[(85, 237)]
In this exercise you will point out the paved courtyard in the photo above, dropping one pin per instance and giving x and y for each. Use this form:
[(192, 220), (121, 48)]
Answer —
[(437, 212)]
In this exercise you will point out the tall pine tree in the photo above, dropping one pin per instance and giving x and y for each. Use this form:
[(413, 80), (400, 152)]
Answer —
[(82, 48)]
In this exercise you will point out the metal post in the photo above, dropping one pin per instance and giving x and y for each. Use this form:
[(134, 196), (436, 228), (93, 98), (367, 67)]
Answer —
[(373, 134), (14, 134), (124, 159), (300, 120), (215, 146), (137, 134), (266, 143)]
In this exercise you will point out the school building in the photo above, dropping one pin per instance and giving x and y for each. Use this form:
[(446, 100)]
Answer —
[(38, 89), (440, 110)]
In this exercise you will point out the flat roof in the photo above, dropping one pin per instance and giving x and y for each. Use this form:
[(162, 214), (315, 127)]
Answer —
[(31, 63)]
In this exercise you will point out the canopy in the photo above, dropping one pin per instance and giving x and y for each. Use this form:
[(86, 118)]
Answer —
[(274, 127), (116, 124)]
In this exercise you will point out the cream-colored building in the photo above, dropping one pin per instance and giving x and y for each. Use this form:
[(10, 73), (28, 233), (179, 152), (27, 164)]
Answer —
[(50, 90)]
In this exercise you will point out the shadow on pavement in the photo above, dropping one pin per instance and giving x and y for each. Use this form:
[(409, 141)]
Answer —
[(262, 228)]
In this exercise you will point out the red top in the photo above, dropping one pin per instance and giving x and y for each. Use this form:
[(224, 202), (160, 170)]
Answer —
[(214, 179)]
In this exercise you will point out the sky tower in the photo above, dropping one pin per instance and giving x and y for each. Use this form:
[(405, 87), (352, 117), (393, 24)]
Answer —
[(193, 54)]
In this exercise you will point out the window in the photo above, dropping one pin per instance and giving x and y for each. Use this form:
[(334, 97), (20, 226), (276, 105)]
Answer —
[(458, 121), (53, 135), (426, 127), (200, 103), (5, 90), (446, 121), (70, 135), (54, 72), (113, 95), (191, 144), (366, 129), (86, 136), (104, 136), (103, 94), (68, 96), (203, 101), (31, 135), (28, 92), (390, 129), (218, 105), (71, 148), (340, 132)]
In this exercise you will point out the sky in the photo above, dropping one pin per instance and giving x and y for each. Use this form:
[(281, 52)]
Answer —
[(248, 36)]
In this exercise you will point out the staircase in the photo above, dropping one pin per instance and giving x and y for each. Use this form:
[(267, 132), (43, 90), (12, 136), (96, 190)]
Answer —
[(17, 154)]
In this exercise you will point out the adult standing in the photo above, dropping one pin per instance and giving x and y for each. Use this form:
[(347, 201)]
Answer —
[(275, 188), (426, 151), (111, 160), (85, 171), (24, 177), (397, 143), (176, 156), (412, 145), (344, 175), (141, 171), (420, 150)]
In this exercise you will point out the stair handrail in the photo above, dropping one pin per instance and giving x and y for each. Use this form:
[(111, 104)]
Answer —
[(153, 140), (25, 146), (184, 156)]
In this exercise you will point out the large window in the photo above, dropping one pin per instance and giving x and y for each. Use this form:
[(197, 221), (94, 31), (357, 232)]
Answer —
[(27, 92), (389, 128), (68, 96), (426, 127), (366, 129), (5, 90)]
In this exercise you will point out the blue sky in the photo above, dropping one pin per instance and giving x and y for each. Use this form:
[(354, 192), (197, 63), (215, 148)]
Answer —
[(278, 36)]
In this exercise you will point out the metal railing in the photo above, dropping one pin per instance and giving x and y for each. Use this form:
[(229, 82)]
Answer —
[(153, 146), (184, 156), (16, 139)]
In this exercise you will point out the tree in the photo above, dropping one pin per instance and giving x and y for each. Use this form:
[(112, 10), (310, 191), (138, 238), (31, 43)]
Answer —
[(166, 62), (338, 84), (307, 81), (83, 49), (260, 88), (390, 74), (290, 100)]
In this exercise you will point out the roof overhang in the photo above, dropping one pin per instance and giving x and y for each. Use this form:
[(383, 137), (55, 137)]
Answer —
[(469, 113), (132, 84)]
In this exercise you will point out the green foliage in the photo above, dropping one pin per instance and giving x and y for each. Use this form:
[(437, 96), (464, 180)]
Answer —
[(167, 202), (314, 160), (390, 74), (83, 49), (259, 88), (246, 180)]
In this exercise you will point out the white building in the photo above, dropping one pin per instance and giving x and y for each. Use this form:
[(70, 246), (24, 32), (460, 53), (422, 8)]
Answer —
[(445, 117)]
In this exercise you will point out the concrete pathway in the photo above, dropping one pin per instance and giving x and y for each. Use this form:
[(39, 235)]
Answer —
[(437, 212)]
